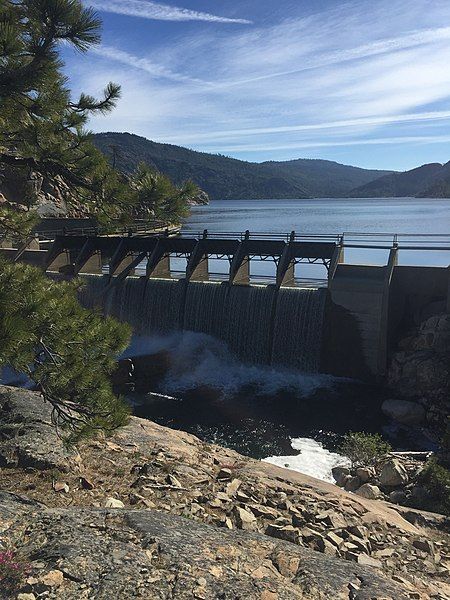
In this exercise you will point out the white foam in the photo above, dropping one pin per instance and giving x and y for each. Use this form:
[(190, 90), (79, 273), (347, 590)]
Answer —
[(198, 360), (313, 460)]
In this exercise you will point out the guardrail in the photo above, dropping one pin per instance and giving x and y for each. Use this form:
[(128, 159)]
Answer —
[(349, 239), (136, 228)]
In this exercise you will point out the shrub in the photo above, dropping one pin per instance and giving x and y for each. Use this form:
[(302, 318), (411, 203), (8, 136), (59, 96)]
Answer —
[(364, 449), (13, 570), (435, 478)]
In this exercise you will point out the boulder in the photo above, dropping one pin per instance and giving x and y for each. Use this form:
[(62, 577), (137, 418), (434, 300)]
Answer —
[(369, 561), (340, 470), (233, 487), (52, 579), (371, 492), (404, 411), (244, 519), (287, 532), (61, 486), (28, 437), (424, 545), (420, 373), (114, 503), (365, 474), (224, 473), (393, 474), (352, 484), (419, 495), (397, 497), (340, 475)]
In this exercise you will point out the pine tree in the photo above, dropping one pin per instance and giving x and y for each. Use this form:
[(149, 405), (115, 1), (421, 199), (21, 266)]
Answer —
[(158, 197), (67, 351), (42, 130)]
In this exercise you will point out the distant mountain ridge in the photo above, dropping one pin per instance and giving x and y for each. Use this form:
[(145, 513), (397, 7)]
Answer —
[(428, 181), (228, 178)]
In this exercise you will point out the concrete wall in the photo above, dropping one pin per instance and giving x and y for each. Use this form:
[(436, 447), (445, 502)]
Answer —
[(369, 308), (36, 258), (358, 292)]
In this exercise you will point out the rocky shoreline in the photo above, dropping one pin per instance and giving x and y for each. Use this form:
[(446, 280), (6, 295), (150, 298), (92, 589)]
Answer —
[(394, 478), (153, 512)]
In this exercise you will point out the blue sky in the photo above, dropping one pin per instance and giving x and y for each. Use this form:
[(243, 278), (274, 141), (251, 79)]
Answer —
[(361, 82)]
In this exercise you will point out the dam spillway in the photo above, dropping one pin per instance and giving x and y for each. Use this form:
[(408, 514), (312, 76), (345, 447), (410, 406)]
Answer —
[(365, 307), (260, 324)]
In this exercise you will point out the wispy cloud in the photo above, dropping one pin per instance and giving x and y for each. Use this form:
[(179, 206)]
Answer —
[(425, 139), (144, 64), (353, 76), (395, 44), (159, 12), (365, 121)]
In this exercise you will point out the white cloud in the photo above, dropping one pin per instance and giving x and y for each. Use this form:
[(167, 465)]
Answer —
[(414, 39), (350, 123), (159, 12), (144, 64), (431, 139), (355, 75)]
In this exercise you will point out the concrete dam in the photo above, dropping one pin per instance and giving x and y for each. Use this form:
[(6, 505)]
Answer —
[(344, 324)]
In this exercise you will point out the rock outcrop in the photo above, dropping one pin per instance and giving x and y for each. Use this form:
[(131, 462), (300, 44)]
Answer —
[(20, 189), (420, 369), (397, 478), (404, 411), (194, 520), (201, 199), (420, 372), (89, 553)]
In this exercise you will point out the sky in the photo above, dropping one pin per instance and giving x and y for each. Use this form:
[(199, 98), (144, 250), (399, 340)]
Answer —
[(363, 82)]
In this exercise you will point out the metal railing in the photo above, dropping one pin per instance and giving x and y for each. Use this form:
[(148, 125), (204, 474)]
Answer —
[(349, 239), (91, 231)]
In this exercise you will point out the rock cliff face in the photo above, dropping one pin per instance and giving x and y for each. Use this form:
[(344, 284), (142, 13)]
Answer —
[(156, 513), (52, 198), (420, 369)]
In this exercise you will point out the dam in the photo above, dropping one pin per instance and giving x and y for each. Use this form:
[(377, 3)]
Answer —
[(287, 320)]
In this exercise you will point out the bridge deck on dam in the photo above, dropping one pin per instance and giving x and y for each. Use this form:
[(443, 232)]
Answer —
[(367, 305)]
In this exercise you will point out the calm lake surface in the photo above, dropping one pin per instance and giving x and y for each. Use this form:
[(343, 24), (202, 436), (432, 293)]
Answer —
[(335, 216)]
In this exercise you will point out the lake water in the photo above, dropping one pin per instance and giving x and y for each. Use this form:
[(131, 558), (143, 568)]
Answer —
[(413, 218)]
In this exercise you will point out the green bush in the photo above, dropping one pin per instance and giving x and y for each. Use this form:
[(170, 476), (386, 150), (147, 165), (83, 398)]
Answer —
[(435, 478), (364, 449)]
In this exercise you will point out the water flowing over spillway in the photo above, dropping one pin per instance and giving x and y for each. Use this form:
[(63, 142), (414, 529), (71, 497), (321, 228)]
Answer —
[(297, 335), (260, 324)]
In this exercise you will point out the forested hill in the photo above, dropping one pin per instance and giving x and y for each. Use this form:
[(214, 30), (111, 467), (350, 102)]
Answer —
[(227, 178), (427, 181)]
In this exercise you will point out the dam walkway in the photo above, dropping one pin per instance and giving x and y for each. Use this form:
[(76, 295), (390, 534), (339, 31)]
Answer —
[(235, 257)]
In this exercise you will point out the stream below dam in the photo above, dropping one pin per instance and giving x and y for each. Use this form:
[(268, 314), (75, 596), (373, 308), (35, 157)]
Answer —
[(293, 419)]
